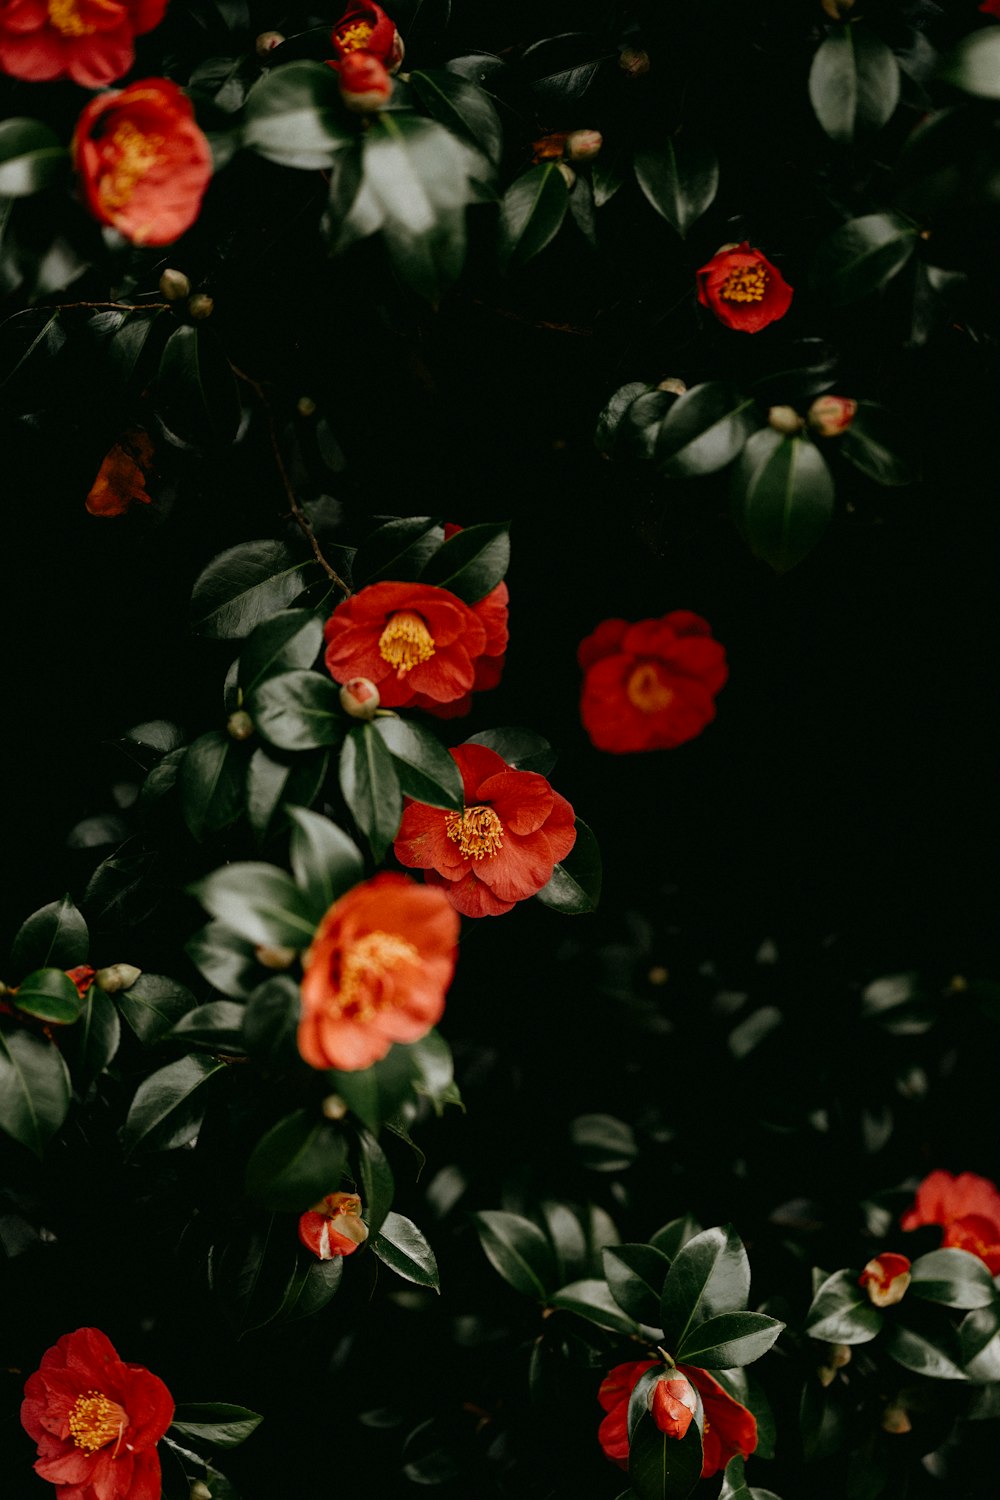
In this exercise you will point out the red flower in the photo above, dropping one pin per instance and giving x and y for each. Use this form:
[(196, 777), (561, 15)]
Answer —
[(829, 416), (365, 85), (886, 1279), (743, 289), (502, 848), (89, 41), (650, 686), (492, 612), (121, 479), (96, 1420), (334, 1226), (991, 8), (83, 977), (729, 1427), (418, 644), (142, 161), (376, 973), (365, 27), (967, 1207)]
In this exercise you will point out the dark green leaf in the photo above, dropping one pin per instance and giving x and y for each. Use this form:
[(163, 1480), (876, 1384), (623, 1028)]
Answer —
[(660, 1467), (297, 711), (426, 771), (315, 1283), (153, 1006), (592, 1300), (974, 64), (518, 1249), (531, 214), (31, 157), (133, 346), (212, 781), (933, 1350), (325, 862), (400, 1245), (371, 788), (853, 83), (159, 735), (782, 497), (245, 585), (613, 413), (862, 255), (377, 1185), (286, 641), (522, 749), (575, 886), (398, 550), (824, 1420), (635, 1275), (30, 342), (196, 388), (214, 1423), (732, 1338), (296, 1163), (228, 962), (293, 116), (170, 1105), (273, 785), (34, 1089), (271, 1019), (876, 444), (259, 902), (708, 1276), (841, 1312), (642, 422), (954, 1277), (218, 1025), (472, 562), (705, 429), (433, 1070), (93, 1042), (680, 177), (606, 1144), (675, 1235), (55, 936), (50, 995), (256, 1273), (979, 1343), (462, 107)]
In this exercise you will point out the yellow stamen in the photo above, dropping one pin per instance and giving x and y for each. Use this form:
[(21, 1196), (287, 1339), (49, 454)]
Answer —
[(132, 155), (478, 832), (354, 37), (362, 966), (647, 690), (94, 1420), (405, 642), (745, 284), (66, 18)]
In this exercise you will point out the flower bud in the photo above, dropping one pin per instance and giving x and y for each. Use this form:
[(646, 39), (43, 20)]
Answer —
[(785, 419), (673, 385), (837, 9), (583, 145), (274, 957), (673, 1403), (116, 977), (827, 1375), (829, 416), (334, 1226), (305, 406), (199, 1490), (266, 43), (567, 173), (840, 1355), (334, 1107), (896, 1419), (634, 61), (359, 697), (886, 1279), (239, 725), (365, 85), (174, 285), (200, 307)]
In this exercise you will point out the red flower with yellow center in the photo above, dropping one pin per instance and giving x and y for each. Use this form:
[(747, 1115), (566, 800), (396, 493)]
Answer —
[(365, 27), (96, 1420), (90, 41), (334, 1226), (729, 1428), (377, 972), (491, 611), (886, 1279), (504, 845), (649, 685), (743, 289), (143, 164), (968, 1209)]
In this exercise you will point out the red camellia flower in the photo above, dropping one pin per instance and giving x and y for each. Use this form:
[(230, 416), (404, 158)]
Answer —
[(365, 27), (334, 1226), (83, 977), (492, 613), (365, 85), (968, 1209), (121, 479), (143, 163), (90, 41), (420, 645), (651, 685), (886, 1278), (502, 848), (729, 1427), (743, 289), (96, 1420), (376, 972)]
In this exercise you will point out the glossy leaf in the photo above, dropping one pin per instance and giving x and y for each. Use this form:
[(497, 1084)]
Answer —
[(153, 1006), (259, 902), (783, 497), (876, 444), (472, 562), (744, 1387), (245, 585), (518, 1249), (49, 995), (398, 549), (660, 1467), (401, 1246), (592, 1300), (293, 116), (931, 1350), (34, 1089), (297, 711), (853, 83), (605, 1143), (215, 1423), (31, 157), (377, 1186), (296, 1163), (314, 1284), (705, 429), (461, 107), (226, 960), (531, 214), (522, 749), (708, 1276), (635, 1275), (575, 885), (271, 1019), (212, 778), (613, 413), (371, 789), (325, 862), (273, 785), (196, 388), (863, 255), (93, 1041), (426, 771), (732, 1338), (169, 1106), (286, 641), (841, 1312), (674, 1236), (680, 177), (218, 1025), (974, 64), (953, 1277), (55, 936)]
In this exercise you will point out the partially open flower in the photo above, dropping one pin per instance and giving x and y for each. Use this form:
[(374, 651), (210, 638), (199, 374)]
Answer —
[(365, 85), (967, 1207), (885, 1279), (742, 288), (729, 1427), (829, 416), (333, 1226), (365, 27)]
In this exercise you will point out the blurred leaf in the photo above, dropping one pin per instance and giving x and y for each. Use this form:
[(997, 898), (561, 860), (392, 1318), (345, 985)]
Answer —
[(49, 995), (862, 255), (853, 83), (325, 862), (782, 497), (398, 549), (159, 735), (214, 1423), (518, 1249), (297, 1162), (284, 642), (271, 1019), (34, 1089), (607, 175), (953, 1277), (196, 388), (931, 1350), (169, 1105), (218, 1025), (876, 444), (824, 1420), (472, 562), (575, 884), (226, 960), (274, 785), (531, 214), (212, 781), (461, 107), (31, 157), (245, 585), (55, 936), (426, 771), (259, 902), (705, 429), (30, 342), (841, 1312), (370, 785), (294, 116), (680, 177), (401, 1246), (974, 64), (153, 1006), (745, 1388), (709, 1275), (297, 711), (377, 1186), (522, 749), (93, 1041), (605, 1143)]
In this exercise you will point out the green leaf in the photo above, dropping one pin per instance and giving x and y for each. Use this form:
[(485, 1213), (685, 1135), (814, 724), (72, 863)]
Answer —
[(215, 1423), (732, 1338), (132, 347), (863, 255), (875, 443), (274, 785), (613, 413), (426, 771), (212, 781), (605, 1143), (55, 936), (660, 1467), (461, 107), (158, 735), (377, 1186), (472, 562), (376, 1094), (592, 1300), (974, 64), (782, 497), (228, 962), (259, 902), (284, 642), (34, 1089), (398, 550), (680, 177), (522, 749), (531, 214), (297, 711), (953, 1277), (50, 995), (635, 1276), (31, 157), (575, 884), (841, 1312), (853, 83), (196, 388), (433, 1070), (979, 1343), (153, 1006), (370, 785), (325, 862), (675, 1235), (518, 1249), (256, 1273), (218, 1025), (296, 1163), (169, 1106), (272, 1018), (30, 342), (708, 1276), (824, 1420), (932, 1350), (245, 585), (705, 429), (93, 1042), (294, 117), (400, 1245), (315, 1283)]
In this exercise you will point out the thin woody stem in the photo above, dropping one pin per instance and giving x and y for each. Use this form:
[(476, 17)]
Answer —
[(117, 306)]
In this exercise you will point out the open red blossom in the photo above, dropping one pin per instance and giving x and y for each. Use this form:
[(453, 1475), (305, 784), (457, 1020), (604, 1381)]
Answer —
[(492, 613), (418, 644), (729, 1427), (96, 1420), (651, 685), (501, 848), (365, 27), (121, 479), (742, 288), (968, 1209), (90, 41), (334, 1226), (886, 1279), (143, 164), (377, 972)]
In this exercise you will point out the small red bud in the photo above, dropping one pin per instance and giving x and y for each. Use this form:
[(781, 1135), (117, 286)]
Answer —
[(896, 1419), (583, 145), (359, 698), (634, 61), (785, 419), (239, 725), (267, 42), (365, 85), (886, 1279), (829, 416)]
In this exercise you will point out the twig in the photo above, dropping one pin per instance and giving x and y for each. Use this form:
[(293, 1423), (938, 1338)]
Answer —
[(506, 312), (118, 306)]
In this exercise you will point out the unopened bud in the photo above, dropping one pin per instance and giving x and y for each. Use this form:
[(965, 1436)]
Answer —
[(896, 1419), (840, 1355), (634, 61), (359, 697), (200, 307), (305, 406), (239, 726), (266, 43), (567, 174), (673, 385), (829, 416), (658, 975), (837, 9), (583, 145), (886, 1279), (174, 285), (365, 85), (199, 1491), (827, 1375), (116, 977), (785, 419), (334, 1107), (274, 957)]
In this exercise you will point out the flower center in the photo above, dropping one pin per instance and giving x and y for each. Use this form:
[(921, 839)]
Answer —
[(647, 690), (363, 967), (95, 1420), (66, 18), (405, 642), (744, 284), (130, 154), (478, 832), (355, 36)]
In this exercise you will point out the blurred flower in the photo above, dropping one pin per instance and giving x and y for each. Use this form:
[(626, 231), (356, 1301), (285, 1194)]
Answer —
[(334, 1226), (492, 613), (83, 977), (650, 685), (729, 1427), (968, 1209), (886, 1278), (377, 972), (991, 8), (365, 85), (743, 289), (96, 1420), (502, 848), (121, 479), (365, 27), (143, 164), (829, 416), (583, 145), (89, 41), (550, 147), (417, 644)]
